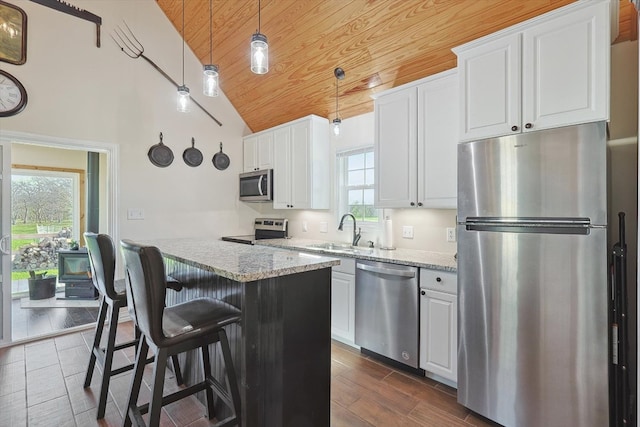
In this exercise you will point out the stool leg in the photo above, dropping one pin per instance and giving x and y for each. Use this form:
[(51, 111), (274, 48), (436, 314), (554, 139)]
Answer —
[(231, 373), (176, 369), (108, 359), (206, 367), (159, 371), (96, 342), (136, 379)]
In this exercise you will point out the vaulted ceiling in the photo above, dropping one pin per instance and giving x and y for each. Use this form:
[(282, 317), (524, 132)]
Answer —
[(379, 43)]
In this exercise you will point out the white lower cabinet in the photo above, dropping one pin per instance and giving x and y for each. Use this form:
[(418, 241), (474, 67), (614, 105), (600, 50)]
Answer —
[(439, 323), (343, 293)]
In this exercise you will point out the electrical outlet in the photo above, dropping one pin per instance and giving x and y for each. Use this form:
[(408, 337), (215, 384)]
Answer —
[(305, 227), (407, 231), (451, 234), (134, 213), (324, 227)]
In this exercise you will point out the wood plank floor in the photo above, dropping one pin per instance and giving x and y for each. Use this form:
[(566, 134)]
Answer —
[(41, 385)]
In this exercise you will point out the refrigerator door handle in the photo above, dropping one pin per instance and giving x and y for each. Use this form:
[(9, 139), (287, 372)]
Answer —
[(530, 225)]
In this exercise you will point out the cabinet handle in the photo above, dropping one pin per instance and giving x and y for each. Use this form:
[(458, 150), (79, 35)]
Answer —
[(528, 126), (412, 204), (438, 279), (419, 203), (423, 292), (514, 128)]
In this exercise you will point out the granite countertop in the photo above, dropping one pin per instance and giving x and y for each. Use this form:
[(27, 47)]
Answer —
[(413, 257), (242, 263)]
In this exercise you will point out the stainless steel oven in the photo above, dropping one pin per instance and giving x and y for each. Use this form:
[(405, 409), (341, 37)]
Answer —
[(256, 186)]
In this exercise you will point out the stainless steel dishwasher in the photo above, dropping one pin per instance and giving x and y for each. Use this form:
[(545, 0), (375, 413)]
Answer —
[(387, 310)]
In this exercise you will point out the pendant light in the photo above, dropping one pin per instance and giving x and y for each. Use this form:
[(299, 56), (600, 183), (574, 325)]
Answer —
[(339, 73), (210, 75), (259, 50), (183, 91)]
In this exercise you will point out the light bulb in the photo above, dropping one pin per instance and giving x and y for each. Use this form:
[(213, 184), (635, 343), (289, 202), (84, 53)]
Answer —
[(210, 80), (336, 126), (259, 54), (183, 99)]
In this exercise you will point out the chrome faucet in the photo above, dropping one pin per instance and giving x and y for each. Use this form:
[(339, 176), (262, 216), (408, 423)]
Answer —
[(356, 236)]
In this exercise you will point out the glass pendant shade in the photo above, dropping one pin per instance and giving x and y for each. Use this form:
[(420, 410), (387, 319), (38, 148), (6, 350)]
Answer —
[(336, 126), (259, 54), (210, 80), (184, 104)]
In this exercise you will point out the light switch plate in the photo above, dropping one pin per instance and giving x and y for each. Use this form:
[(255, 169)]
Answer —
[(305, 226), (324, 227), (407, 231), (135, 213)]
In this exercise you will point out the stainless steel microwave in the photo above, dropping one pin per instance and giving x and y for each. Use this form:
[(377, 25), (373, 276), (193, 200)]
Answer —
[(256, 186)]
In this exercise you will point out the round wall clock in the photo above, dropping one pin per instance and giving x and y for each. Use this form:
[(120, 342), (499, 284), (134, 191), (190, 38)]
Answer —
[(13, 96)]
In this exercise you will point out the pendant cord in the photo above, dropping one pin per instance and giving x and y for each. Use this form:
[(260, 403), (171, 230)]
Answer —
[(210, 32), (182, 42), (337, 83), (259, 27)]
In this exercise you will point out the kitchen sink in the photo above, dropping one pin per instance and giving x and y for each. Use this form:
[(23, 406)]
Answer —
[(343, 248)]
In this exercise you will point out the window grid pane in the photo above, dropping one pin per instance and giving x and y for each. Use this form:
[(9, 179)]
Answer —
[(359, 186)]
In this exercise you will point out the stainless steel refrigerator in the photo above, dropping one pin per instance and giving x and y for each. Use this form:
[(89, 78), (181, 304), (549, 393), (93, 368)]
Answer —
[(532, 278)]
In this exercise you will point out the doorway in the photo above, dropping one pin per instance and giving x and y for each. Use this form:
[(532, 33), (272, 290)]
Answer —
[(47, 214)]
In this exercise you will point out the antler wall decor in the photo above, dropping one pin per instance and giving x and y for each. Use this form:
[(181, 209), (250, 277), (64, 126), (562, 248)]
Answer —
[(69, 9), (132, 47)]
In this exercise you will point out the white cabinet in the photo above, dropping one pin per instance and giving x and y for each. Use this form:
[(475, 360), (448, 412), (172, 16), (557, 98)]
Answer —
[(300, 165), (343, 292), (550, 71), (258, 151), (439, 323), (416, 144)]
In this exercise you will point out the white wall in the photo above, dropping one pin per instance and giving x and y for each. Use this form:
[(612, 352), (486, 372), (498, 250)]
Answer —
[(81, 92)]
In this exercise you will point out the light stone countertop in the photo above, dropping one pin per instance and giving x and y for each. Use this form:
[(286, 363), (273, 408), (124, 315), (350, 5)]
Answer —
[(413, 257), (242, 263)]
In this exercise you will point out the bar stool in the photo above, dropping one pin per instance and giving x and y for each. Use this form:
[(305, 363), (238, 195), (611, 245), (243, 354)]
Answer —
[(103, 261), (173, 330)]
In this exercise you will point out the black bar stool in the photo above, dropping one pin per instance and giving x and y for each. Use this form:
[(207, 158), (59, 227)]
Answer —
[(113, 297), (173, 330)]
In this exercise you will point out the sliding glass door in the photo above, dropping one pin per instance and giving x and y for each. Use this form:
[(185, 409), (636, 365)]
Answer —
[(5, 242)]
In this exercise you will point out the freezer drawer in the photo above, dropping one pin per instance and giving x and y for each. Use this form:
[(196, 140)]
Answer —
[(533, 327), (387, 310)]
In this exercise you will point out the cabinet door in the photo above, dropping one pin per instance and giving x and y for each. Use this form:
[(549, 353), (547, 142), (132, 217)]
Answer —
[(300, 165), (282, 168), (438, 143), (265, 150), (395, 150), (566, 69), (343, 288), (439, 334), (490, 86), (250, 159)]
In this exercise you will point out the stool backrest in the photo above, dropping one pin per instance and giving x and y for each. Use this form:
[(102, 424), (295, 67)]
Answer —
[(146, 287), (102, 258)]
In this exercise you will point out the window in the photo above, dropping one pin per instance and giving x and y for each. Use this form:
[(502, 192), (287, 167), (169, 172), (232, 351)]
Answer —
[(356, 185)]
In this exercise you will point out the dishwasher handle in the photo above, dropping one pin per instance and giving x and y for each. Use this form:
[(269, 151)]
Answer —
[(387, 271)]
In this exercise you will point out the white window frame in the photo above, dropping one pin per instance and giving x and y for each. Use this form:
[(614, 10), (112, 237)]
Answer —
[(342, 192)]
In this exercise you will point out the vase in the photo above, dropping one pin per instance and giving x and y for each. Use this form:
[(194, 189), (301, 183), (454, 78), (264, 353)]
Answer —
[(42, 288)]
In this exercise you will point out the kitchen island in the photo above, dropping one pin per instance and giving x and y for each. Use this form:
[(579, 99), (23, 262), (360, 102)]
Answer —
[(281, 347)]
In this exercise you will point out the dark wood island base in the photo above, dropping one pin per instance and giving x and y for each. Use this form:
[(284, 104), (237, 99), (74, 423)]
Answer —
[(281, 348)]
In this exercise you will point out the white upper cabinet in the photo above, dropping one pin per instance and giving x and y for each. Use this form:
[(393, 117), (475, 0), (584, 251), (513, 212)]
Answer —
[(416, 136), (258, 151), (300, 167), (396, 144), (550, 71)]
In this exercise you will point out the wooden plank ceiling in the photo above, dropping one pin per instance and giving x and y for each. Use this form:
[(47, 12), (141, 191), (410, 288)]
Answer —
[(379, 43)]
